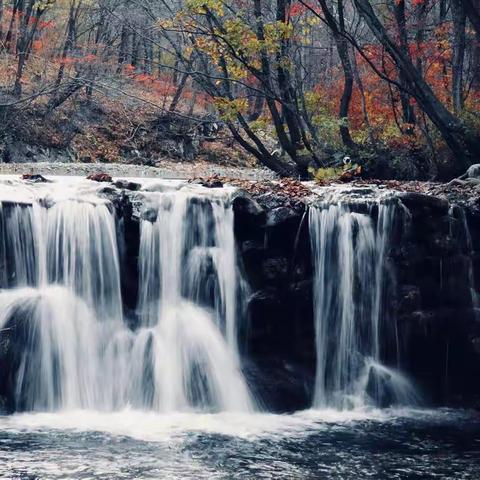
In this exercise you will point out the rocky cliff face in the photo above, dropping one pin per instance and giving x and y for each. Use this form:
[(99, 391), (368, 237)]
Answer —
[(438, 316), (279, 343)]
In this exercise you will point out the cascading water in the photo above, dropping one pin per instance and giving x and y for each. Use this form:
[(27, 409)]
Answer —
[(465, 235), (62, 295), (188, 302), (350, 289)]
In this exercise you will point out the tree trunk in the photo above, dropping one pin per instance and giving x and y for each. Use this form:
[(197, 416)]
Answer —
[(257, 109), (69, 42), (134, 51), (159, 62), (9, 36), (361, 89), (178, 92), (421, 16), (407, 110), (463, 144), (266, 80), (476, 64), (99, 35), (122, 48), (65, 93), (338, 31), (193, 101), (22, 45), (284, 82), (1, 20), (148, 58), (175, 71), (459, 21)]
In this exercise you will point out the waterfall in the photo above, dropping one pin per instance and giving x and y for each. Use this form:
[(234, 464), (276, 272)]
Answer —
[(188, 301), (466, 244), (61, 297), (63, 293), (350, 291)]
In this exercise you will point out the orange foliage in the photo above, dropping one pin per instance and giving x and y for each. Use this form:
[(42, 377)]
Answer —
[(383, 103)]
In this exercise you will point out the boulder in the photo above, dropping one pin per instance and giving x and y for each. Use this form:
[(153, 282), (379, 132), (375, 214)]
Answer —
[(280, 215), (99, 177), (275, 270), (413, 200), (473, 171), (35, 178), (249, 218), (127, 185)]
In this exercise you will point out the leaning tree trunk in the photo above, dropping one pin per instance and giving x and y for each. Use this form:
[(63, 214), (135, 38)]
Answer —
[(464, 145)]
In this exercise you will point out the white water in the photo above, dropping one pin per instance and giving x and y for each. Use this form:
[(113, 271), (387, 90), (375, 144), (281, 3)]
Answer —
[(151, 426), (188, 255), (351, 283), (61, 269)]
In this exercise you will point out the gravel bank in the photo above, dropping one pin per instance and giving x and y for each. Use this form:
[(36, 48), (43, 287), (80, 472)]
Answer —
[(172, 170)]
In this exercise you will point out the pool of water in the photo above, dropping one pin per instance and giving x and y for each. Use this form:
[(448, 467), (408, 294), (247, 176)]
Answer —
[(409, 444)]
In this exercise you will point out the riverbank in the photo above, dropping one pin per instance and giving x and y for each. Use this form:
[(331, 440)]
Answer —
[(255, 180), (165, 169)]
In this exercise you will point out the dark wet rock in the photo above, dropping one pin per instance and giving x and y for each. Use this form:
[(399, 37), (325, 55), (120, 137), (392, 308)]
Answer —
[(245, 206), (439, 351), (249, 217), (436, 268), (99, 177), (280, 386), (127, 185), (35, 178), (128, 241), (415, 200), (280, 350), (280, 215), (409, 298), (379, 388), (213, 183), (275, 269), (16, 339), (208, 182), (149, 214)]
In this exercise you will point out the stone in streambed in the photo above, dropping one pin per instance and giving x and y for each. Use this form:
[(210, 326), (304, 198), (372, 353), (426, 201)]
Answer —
[(35, 178), (99, 177), (126, 185)]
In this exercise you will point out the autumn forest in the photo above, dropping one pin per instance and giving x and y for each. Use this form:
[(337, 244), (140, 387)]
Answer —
[(296, 86)]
